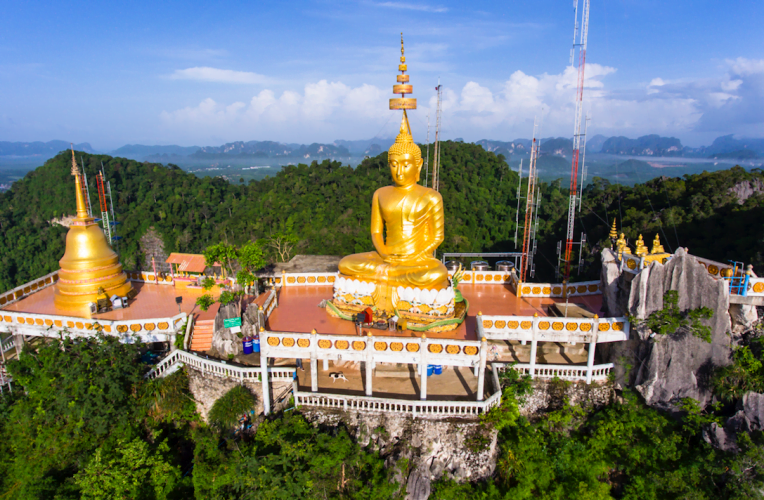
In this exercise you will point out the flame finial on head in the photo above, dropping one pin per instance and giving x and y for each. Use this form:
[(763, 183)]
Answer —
[(404, 142)]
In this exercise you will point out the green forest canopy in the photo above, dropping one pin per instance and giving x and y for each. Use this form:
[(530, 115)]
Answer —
[(328, 206)]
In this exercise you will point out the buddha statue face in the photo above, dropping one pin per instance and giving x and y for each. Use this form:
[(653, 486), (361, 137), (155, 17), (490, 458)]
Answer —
[(405, 168)]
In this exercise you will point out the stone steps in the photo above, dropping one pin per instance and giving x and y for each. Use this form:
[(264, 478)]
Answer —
[(202, 336)]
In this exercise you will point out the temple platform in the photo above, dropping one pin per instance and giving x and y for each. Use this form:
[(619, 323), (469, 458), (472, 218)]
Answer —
[(151, 301), (298, 311)]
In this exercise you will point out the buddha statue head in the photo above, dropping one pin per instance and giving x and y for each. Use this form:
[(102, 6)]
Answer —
[(405, 157)]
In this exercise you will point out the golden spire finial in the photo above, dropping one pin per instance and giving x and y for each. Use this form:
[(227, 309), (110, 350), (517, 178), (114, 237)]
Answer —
[(75, 170), (403, 87), (82, 211), (613, 232)]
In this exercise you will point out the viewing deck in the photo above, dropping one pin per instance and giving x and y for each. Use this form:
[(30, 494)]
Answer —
[(298, 310)]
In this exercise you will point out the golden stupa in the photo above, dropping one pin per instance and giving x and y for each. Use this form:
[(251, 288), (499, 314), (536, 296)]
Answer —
[(89, 263)]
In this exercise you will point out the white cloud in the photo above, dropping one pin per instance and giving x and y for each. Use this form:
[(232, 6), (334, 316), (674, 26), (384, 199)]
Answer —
[(207, 74), (410, 6), (700, 109)]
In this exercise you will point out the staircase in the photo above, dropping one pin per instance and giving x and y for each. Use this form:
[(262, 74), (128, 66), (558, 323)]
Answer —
[(204, 329)]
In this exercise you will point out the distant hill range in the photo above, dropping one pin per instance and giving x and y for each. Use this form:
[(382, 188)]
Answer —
[(725, 147), (47, 149)]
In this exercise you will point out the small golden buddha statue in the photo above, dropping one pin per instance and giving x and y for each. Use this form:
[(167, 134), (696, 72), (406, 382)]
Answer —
[(657, 247), (622, 247), (641, 249)]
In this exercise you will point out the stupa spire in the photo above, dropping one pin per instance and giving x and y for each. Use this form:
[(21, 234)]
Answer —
[(82, 211)]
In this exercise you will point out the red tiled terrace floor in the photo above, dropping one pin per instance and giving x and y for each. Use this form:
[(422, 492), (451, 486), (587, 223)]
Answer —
[(298, 310)]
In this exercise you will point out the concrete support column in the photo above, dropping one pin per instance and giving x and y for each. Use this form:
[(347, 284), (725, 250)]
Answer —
[(423, 363), (592, 347), (369, 362), (260, 318), (481, 366), (264, 382), (534, 345), (481, 334), (313, 362)]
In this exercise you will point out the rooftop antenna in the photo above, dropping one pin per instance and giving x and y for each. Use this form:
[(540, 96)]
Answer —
[(436, 154), (577, 135), (519, 186), (85, 188), (529, 239), (104, 206), (427, 160), (583, 165)]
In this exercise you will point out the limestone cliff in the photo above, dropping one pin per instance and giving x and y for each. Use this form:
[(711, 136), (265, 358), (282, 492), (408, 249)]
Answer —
[(419, 450), (665, 369)]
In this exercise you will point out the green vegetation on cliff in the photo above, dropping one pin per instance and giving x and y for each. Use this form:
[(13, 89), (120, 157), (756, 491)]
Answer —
[(326, 208)]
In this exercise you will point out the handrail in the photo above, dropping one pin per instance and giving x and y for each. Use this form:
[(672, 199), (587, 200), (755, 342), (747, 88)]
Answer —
[(28, 288), (189, 332), (565, 372), (8, 344), (219, 368), (390, 405)]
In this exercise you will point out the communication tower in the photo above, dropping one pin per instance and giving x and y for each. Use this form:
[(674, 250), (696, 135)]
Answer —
[(530, 228), (104, 206), (436, 154), (581, 32)]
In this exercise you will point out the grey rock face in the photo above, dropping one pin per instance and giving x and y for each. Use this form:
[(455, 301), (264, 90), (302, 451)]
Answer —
[(743, 317), (609, 280), (431, 448), (679, 365), (753, 408), (223, 340)]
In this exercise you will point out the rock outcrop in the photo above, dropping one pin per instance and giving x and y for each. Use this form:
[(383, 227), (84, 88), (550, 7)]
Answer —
[(462, 450), (224, 341), (668, 368), (749, 417)]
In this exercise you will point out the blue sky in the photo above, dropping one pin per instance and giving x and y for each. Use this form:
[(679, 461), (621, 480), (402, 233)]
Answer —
[(212, 72)]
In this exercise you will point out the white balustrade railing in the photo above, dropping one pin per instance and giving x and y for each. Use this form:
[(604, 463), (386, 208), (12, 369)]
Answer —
[(18, 293), (564, 372), (380, 349), (8, 344), (401, 406), (553, 329), (46, 325), (218, 368), (270, 303), (558, 290)]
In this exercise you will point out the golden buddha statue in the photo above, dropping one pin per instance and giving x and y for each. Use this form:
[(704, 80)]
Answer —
[(406, 227), (90, 269), (657, 247), (411, 217), (622, 247), (641, 249)]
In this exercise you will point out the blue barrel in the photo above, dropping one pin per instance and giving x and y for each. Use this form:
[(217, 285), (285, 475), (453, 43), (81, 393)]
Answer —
[(256, 343), (430, 368), (247, 345), (437, 369)]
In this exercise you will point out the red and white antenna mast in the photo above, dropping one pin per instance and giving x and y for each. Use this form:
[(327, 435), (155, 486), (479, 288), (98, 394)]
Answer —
[(582, 31)]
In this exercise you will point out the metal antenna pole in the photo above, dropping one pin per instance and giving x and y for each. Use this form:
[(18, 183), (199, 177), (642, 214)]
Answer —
[(87, 189), (427, 161), (517, 213), (576, 129)]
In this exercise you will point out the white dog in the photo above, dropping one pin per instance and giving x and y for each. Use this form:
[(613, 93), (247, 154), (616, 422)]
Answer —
[(338, 376)]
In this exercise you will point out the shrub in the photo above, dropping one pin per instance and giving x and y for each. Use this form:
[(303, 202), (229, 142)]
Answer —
[(227, 410), (205, 301)]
